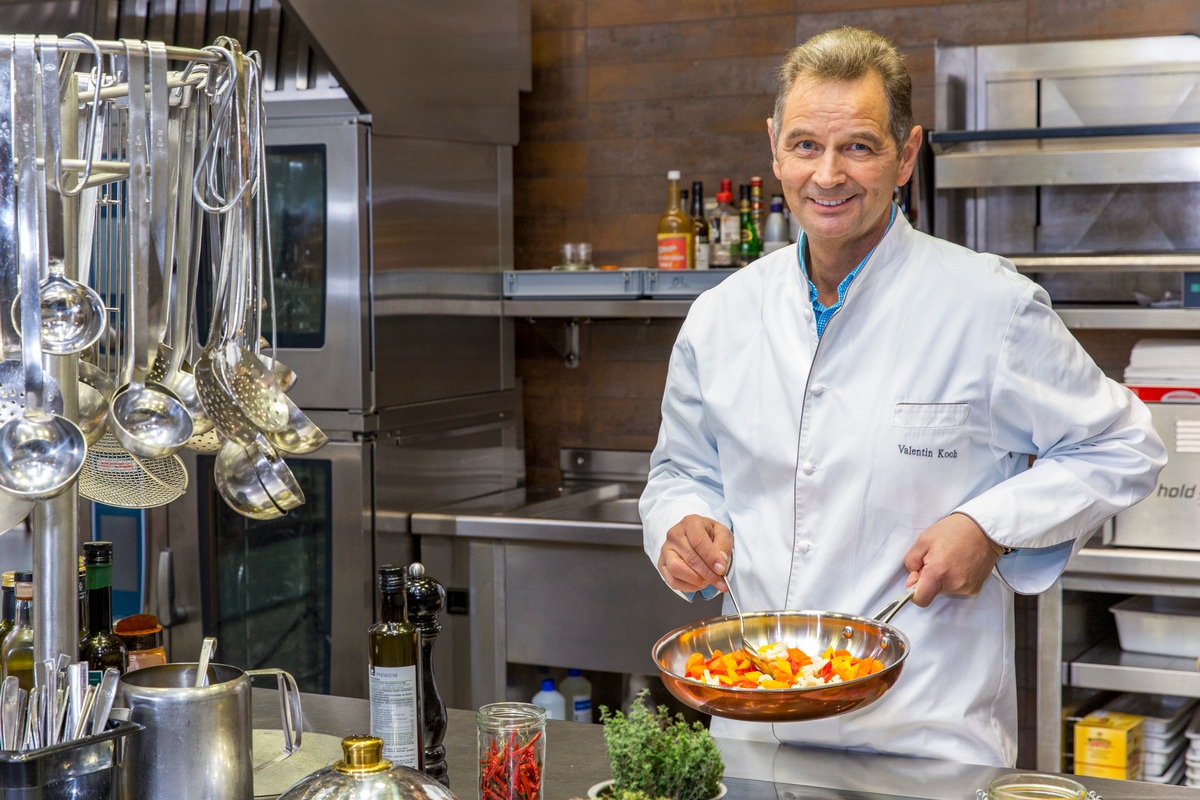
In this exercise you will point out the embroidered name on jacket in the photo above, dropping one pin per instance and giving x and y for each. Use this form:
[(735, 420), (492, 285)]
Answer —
[(926, 452)]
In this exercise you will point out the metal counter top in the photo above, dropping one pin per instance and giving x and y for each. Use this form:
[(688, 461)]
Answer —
[(753, 770), (604, 515)]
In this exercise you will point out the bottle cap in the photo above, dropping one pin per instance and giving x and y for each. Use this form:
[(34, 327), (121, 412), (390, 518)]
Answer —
[(362, 755), (23, 586), (572, 672), (391, 578), (8, 579), (547, 684), (97, 553), (724, 197), (673, 175), (139, 631)]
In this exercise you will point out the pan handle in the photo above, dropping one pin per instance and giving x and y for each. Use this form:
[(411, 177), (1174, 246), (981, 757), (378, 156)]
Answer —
[(889, 611)]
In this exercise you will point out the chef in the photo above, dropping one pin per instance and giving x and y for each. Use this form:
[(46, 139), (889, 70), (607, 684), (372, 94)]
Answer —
[(874, 409)]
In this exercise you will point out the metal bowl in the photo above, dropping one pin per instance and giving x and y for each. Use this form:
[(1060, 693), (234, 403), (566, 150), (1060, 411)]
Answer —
[(810, 631)]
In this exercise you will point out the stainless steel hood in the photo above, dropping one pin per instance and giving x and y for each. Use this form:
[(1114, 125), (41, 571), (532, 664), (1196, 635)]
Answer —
[(445, 70)]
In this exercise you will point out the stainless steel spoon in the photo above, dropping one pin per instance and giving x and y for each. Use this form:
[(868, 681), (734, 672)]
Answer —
[(750, 650), (206, 651)]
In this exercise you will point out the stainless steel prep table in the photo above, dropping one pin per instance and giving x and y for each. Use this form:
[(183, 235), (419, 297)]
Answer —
[(558, 579), (753, 770)]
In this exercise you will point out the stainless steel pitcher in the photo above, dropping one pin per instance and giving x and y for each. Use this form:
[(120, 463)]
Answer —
[(196, 742)]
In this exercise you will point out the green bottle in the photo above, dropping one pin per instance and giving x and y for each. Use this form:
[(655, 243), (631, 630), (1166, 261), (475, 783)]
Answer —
[(102, 648), (751, 245), (16, 653), (394, 674)]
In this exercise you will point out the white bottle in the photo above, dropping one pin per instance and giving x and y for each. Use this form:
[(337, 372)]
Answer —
[(637, 683), (775, 232), (578, 693), (552, 700)]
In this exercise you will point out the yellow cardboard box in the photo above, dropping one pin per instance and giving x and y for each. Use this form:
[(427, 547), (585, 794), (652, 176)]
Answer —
[(1131, 772), (1108, 744)]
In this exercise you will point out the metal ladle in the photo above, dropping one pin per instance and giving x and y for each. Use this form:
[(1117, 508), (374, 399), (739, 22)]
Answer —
[(40, 453), (147, 421)]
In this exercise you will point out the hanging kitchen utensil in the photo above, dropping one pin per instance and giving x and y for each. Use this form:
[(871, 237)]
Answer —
[(41, 453), (12, 379), (170, 371), (147, 421), (72, 312), (115, 477)]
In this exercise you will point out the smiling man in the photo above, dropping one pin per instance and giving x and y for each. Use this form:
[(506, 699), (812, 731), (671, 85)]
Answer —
[(875, 409)]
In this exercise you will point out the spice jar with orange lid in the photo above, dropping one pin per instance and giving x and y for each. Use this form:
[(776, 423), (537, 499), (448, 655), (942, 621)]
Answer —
[(142, 635)]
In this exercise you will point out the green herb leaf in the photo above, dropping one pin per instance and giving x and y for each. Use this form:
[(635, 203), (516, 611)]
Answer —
[(659, 755)]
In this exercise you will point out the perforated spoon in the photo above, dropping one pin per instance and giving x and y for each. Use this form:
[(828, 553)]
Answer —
[(750, 650)]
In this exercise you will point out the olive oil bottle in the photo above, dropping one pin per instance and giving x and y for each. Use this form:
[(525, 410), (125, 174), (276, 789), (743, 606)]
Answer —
[(102, 648), (16, 653), (394, 677), (8, 603)]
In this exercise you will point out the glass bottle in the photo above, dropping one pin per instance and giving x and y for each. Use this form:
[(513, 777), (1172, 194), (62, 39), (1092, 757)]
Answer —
[(758, 210), (701, 224), (16, 653), (394, 674), (102, 648), (676, 232), (81, 586), (725, 232), (751, 242), (8, 603)]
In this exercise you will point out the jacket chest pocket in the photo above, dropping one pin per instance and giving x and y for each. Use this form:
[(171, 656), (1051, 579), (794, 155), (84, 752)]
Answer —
[(925, 457)]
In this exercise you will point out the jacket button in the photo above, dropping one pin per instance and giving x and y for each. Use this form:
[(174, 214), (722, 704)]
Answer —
[(808, 468), (816, 390)]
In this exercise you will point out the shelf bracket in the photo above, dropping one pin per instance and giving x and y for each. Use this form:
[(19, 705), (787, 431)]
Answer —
[(566, 344)]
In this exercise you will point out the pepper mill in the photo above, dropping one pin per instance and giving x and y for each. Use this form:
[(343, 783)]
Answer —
[(426, 599)]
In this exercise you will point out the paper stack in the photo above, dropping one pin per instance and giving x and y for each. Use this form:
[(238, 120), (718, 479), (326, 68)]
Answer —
[(1165, 370)]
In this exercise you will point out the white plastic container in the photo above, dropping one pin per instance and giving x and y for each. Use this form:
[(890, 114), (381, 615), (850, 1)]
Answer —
[(1168, 626), (578, 693), (552, 700)]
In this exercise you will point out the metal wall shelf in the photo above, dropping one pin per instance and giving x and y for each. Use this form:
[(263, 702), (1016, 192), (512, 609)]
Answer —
[(1079, 318)]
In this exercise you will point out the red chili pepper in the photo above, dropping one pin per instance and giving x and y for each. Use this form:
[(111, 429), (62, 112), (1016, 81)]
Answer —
[(509, 772)]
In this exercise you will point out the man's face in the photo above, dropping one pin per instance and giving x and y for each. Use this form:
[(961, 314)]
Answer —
[(837, 161)]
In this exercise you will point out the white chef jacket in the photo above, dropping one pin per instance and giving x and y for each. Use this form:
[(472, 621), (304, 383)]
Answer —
[(942, 372)]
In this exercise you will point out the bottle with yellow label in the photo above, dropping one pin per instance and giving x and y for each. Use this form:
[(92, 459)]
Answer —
[(676, 231)]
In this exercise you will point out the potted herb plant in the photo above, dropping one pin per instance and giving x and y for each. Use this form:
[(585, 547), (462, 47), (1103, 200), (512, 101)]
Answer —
[(657, 756)]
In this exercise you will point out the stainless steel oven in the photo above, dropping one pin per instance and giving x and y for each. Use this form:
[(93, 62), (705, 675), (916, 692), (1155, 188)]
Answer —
[(408, 371)]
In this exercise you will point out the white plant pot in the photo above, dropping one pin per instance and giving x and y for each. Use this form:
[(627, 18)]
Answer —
[(598, 791)]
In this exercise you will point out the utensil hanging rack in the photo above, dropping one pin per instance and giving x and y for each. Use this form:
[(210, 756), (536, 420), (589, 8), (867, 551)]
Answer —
[(127, 184)]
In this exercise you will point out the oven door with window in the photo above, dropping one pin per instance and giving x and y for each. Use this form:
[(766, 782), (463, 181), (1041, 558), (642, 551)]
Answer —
[(293, 593), (320, 250)]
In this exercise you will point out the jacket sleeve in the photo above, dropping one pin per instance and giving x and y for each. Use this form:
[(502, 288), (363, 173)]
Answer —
[(685, 474), (1096, 449)]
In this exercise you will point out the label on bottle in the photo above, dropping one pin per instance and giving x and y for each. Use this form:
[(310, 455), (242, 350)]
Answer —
[(702, 255), (673, 250), (581, 709), (394, 715)]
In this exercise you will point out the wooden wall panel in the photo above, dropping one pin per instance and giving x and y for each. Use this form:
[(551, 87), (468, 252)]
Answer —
[(624, 90)]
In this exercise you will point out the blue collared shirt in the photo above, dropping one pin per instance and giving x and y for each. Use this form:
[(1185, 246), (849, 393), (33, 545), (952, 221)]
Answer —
[(823, 314)]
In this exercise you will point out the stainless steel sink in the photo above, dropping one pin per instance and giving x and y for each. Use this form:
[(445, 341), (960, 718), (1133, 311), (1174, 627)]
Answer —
[(613, 502)]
